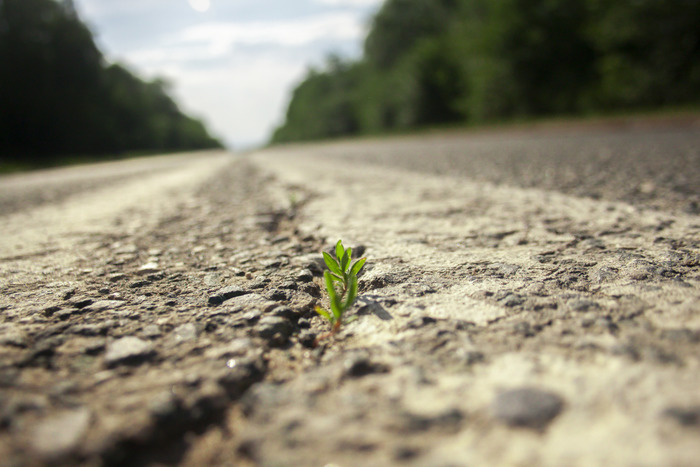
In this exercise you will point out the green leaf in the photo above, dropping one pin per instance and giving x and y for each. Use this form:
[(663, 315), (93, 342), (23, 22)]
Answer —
[(332, 264), (324, 313), (339, 250), (355, 270), (349, 252), (352, 292), (337, 308), (336, 277), (329, 285), (344, 262)]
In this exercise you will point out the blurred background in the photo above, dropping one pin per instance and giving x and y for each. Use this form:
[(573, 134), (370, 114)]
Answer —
[(103, 78)]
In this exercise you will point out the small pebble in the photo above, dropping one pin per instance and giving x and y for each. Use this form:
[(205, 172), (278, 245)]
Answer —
[(60, 434), (582, 305), (148, 268), (527, 407), (226, 293), (185, 332), (304, 275), (129, 351), (268, 326)]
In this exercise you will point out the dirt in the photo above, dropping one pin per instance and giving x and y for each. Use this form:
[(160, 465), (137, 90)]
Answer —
[(165, 317)]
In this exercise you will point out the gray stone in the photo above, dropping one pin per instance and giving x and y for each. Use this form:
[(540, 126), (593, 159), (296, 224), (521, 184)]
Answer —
[(80, 302), (685, 416), (152, 331), (50, 310), (225, 294), (523, 328), (311, 288), (103, 305), (129, 249), (359, 366), (449, 420), (289, 285), (308, 339), (582, 305), (252, 316), (285, 312), (512, 300), (95, 346), (212, 279), (63, 315), (269, 326), (251, 301), (259, 282), (119, 276), (129, 351), (305, 275), (273, 263), (148, 268), (60, 434), (527, 407), (239, 375), (165, 407), (604, 274), (236, 348), (278, 295), (90, 330), (186, 332), (505, 270), (11, 334)]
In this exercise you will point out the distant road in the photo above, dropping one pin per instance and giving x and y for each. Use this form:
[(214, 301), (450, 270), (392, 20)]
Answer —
[(25, 190), (45, 207), (652, 162)]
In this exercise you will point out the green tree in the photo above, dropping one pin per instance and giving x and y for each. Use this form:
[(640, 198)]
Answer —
[(430, 62), (401, 24), (323, 105), (647, 53), (58, 97)]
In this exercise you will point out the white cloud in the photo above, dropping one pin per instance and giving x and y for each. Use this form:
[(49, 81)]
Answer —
[(216, 41), (234, 72), (350, 2), (221, 36), (242, 101), (97, 9)]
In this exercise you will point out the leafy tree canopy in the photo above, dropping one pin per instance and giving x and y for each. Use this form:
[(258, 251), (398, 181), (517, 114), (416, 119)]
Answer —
[(59, 98), (430, 62)]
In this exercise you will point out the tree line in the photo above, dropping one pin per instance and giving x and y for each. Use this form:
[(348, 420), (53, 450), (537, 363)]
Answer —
[(431, 62), (60, 98)]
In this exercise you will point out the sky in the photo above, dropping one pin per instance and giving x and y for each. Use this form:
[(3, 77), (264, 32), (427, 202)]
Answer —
[(232, 63)]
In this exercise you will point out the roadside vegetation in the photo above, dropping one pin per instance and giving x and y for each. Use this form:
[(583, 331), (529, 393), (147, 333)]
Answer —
[(60, 100), (455, 62)]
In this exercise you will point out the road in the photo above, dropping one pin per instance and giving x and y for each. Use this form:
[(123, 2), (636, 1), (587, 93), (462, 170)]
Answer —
[(530, 297)]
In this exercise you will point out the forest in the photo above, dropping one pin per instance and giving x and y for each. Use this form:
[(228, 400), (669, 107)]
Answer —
[(60, 99), (462, 62)]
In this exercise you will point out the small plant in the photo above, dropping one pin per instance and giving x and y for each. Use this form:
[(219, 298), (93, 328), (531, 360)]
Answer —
[(342, 271)]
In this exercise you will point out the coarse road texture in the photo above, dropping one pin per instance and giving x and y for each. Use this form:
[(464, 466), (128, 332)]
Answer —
[(531, 297)]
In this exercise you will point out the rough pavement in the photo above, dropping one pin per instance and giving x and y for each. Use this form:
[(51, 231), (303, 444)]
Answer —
[(165, 317)]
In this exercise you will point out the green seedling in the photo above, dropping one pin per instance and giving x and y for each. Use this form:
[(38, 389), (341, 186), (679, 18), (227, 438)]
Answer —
[(341, 284)]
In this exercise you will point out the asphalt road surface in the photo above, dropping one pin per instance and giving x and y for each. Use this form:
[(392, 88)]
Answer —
[(531, 297)]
